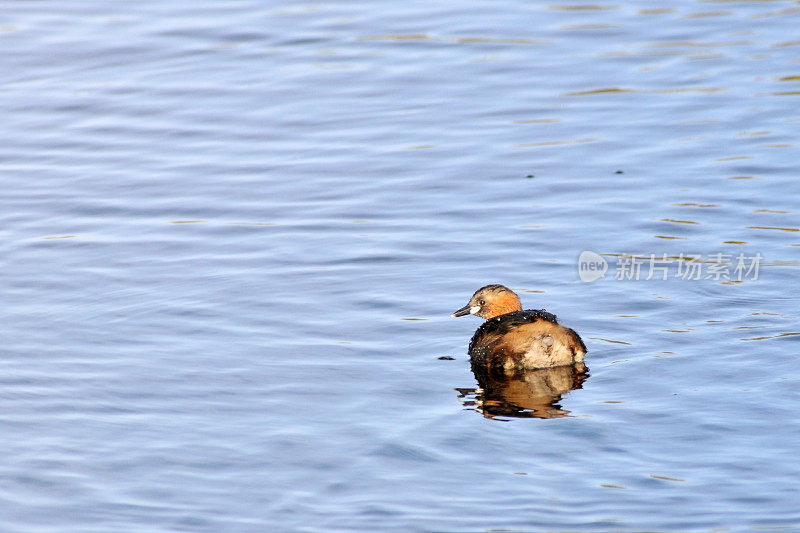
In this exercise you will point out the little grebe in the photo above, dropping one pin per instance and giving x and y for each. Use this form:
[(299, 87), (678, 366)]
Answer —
[(512, 340)]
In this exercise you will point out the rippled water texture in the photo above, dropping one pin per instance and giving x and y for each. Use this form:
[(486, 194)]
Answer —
[(233, 233)]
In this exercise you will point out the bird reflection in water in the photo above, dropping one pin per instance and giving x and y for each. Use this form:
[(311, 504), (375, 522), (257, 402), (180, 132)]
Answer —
[(529, 394)]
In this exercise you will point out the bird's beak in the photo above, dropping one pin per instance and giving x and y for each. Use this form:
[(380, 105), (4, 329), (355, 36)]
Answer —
[(464, 311)]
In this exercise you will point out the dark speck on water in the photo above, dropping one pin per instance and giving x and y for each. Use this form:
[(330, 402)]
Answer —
[(233, 233)]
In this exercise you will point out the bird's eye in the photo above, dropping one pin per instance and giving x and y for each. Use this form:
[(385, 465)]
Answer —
[(481, 302)]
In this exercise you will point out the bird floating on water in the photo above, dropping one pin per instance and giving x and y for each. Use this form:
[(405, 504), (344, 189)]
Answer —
[(513, 340)]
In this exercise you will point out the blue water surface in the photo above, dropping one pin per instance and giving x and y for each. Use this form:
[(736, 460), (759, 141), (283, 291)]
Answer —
[(232, 233)]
